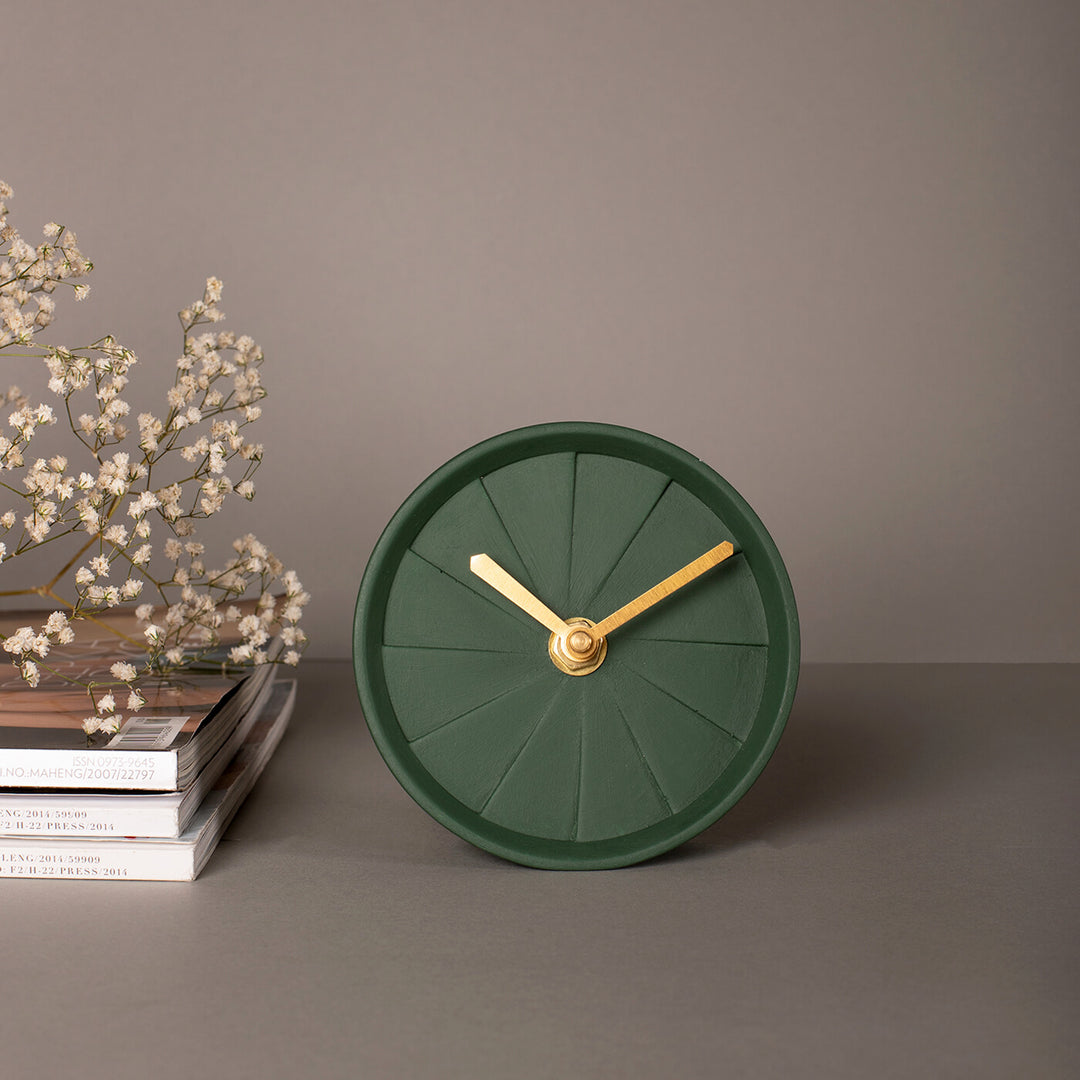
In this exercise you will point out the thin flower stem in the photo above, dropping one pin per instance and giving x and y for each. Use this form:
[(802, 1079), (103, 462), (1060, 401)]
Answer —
[(82, 551), (35, 544)]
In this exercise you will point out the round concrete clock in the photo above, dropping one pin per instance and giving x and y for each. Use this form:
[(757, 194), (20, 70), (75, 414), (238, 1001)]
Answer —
[(576, 645)]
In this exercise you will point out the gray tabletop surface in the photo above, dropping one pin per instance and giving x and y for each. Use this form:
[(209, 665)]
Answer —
[(895, 897)]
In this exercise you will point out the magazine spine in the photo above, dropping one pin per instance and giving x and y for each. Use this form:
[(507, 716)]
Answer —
[(137, 860), (112, 770), (23, 815)]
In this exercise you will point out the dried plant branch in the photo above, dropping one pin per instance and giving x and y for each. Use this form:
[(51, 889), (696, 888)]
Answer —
[(138, 535)]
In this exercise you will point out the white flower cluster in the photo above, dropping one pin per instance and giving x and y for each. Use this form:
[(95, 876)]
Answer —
[(190, 462), (29, 275), (26, 643)]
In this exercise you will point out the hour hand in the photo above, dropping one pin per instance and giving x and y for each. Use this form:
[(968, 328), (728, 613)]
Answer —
[(487, 569)]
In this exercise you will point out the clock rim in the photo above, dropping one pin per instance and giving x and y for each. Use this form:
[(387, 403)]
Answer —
[(517, 444)]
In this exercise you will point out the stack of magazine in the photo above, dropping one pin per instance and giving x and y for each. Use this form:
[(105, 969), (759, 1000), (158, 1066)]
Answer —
[(149, 802)]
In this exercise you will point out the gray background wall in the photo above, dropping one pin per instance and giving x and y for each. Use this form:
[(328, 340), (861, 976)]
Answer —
[(833, 248)]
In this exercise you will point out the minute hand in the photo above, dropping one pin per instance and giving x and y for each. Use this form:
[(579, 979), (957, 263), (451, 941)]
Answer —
[(666, 587)]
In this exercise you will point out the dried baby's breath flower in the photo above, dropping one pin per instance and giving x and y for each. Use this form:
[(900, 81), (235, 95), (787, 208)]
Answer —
[(124, 671), (130, 507)]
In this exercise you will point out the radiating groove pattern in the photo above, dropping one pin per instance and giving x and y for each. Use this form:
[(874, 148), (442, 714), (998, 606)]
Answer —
[(534, 500), (470, 753), (524, 577), (573, 525), (618, 504), (685, 751), (612, 768), (641, 755), (492, 702), (450, 601), (692, 641), (431, 687), (584, 715), (465, 525), (722, 682), (679, 701), (540, 717), (540, 791), (453, 648)]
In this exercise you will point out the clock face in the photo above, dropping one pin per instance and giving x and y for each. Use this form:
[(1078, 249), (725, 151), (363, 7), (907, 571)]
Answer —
[(584, 763)]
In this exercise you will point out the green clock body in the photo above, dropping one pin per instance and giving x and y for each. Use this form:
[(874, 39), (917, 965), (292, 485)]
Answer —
[(461, 695)]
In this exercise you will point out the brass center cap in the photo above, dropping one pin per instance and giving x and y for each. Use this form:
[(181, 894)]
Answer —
[(579, 653)]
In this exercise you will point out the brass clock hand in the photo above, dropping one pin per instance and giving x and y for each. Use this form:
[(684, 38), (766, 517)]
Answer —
[(485, 568), (666, 587)]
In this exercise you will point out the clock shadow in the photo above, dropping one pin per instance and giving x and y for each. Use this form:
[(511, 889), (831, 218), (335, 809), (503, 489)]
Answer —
[(834, 763)]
